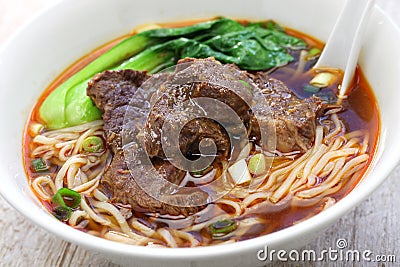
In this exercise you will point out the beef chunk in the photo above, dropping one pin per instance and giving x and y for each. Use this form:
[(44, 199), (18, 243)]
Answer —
[(295, 119), (197, 78), (112, 91)]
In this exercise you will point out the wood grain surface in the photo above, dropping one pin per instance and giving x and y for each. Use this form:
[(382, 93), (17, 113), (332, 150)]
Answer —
[(373, 225)]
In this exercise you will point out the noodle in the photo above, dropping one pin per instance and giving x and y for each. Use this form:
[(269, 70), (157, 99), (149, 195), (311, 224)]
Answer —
[(168, 238), (76, 216), (302, 180), (233, 204), (39, 186), (186, 236)]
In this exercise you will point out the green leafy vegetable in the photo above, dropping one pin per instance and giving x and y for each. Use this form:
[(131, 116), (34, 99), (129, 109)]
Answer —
[(256, 46)]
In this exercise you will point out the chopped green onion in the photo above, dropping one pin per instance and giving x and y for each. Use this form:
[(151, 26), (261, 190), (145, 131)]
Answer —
[(35, 128), (62, 213), (92, 144), (257, 164), (202, 172), (323, 79), (66, 198), (39, 165), (313, 52), (240, 172), (311, 89), (223, 227)]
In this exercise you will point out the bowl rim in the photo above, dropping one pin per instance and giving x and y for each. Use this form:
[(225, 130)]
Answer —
[(324, 218)]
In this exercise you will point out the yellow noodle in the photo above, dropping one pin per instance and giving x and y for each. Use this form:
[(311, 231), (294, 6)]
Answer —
[(92, 214), (111, 209), (71, 175), (252, 197), (76, 216), (123, 238), (332, 181), (330, 156), (273, 177), (354, 142), (285, 187), (59, 181), (312, 160), (39, 183), (99, 195), (354, 134), (233, 204), (88, 185), (168, 238), (338, 127), (186, 236), (41, 139), (147, 231), (65, 153)]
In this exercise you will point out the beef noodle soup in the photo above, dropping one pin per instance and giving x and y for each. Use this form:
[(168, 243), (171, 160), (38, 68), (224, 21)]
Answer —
[(279, 144)]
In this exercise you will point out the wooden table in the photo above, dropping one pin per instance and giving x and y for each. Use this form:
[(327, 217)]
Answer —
[(372, 225)]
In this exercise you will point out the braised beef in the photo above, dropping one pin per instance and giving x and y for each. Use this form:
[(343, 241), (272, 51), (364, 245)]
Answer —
[(294, 120), (111, 92)]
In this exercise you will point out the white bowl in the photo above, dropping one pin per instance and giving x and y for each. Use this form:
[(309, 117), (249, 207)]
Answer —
[(73, 28)]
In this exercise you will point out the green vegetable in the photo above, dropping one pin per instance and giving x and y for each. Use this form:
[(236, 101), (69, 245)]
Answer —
[(93, 144), (311, 89), (66, 198), (249, 51), (257, 164), (62, 213), (69, 105), (202, 172), (57, 111), (313, 52), (328, 97), (39, 165), (223, 227), (256, 46)]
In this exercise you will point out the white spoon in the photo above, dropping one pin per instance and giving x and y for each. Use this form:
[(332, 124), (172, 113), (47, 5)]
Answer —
[(343, 46)]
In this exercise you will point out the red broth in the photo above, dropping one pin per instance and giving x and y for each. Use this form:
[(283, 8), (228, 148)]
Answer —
[(361, 112)]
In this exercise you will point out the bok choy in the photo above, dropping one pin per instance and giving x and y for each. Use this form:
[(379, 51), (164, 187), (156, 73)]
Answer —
[(256, 46)]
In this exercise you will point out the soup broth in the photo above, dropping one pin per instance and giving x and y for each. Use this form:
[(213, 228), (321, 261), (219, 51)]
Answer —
[(241, 214)]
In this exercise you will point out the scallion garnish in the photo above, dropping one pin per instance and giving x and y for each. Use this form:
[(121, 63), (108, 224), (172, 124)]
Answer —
[(39, 165), (62, 213), (257, 164), (202, 172), (313, 52), (66, 198), (322, 79), (92, 144), (223, 227)]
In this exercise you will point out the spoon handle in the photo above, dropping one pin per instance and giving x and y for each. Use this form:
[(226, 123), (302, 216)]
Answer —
[(344, 43)]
